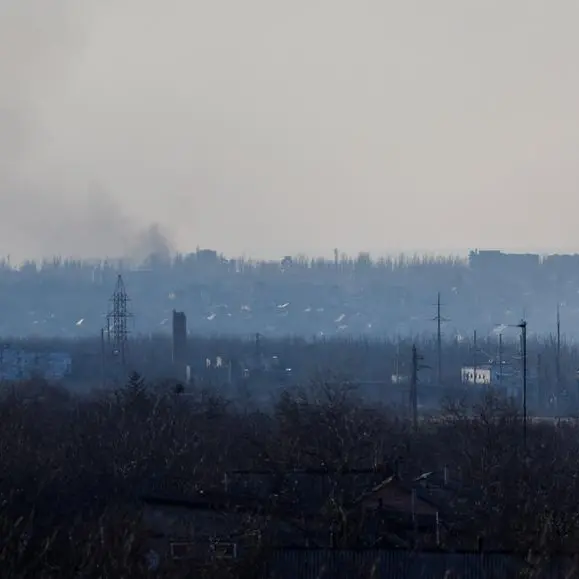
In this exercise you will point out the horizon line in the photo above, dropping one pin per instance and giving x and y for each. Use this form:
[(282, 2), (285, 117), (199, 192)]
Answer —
[(374, 256)]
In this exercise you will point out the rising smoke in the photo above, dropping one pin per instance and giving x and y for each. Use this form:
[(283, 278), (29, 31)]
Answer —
[(151, 243), (280, 127), (54, 201)]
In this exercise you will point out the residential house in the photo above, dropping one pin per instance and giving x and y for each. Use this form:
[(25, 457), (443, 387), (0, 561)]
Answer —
[(310, 508)]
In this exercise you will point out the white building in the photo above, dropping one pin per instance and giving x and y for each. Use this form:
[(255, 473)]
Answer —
[(483, 375)]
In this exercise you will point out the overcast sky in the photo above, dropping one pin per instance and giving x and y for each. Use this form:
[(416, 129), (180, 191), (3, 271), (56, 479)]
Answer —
[(267, 127)]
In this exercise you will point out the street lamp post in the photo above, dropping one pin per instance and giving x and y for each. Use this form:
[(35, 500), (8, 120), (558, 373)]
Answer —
[(523, 327)]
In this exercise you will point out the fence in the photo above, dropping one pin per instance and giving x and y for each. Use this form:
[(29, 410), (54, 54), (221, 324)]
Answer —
[(338, 564)]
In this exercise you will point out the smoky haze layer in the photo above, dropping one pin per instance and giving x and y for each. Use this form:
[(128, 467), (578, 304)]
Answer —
[(275, 127)]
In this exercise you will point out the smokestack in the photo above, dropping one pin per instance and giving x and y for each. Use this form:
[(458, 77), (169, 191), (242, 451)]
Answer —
[(180, 345)]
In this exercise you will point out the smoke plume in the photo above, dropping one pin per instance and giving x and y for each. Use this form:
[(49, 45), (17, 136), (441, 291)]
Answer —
[(283, 127), (53, 188)]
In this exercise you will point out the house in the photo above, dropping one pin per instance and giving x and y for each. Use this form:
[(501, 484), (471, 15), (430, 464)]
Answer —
[(309, 508), (198, 530), (395, 514), (357, 507), (190, 526), (455, 502)]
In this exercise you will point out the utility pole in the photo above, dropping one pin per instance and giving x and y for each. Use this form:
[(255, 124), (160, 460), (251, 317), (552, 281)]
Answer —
[(474, 360), (500, 375), (558, 361), (439, 319), (414, 389), (397, 359), (103, 365), (438, 342), (523, 326), (416, 366), (539, 385)]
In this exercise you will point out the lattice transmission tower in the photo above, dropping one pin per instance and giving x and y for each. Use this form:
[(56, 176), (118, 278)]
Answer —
[(118, 322)]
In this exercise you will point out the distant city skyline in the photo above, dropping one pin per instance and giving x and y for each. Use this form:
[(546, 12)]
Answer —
[(328, 254)]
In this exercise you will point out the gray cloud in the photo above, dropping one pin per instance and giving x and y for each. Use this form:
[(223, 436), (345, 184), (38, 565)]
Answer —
[(271, 127)]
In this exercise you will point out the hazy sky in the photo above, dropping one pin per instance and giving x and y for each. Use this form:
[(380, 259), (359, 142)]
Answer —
[(271, 127)]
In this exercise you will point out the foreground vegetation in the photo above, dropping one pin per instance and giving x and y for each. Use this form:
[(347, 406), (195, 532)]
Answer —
[(71, 467)]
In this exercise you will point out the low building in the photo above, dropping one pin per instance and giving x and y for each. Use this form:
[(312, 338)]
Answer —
[(496, 261), (311, 508), (479, 375), (187, 526)]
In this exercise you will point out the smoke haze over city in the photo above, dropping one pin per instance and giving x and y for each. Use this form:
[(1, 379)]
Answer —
[(270, 128)]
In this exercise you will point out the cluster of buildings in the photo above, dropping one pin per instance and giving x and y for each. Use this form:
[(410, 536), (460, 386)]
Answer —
[(18, 364), (294, 296), (217, 369), (520, 262)]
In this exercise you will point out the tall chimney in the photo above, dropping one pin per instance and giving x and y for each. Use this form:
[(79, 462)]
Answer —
[(180, 344)]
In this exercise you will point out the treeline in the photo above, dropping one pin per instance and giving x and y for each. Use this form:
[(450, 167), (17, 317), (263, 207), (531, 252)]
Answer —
[(200, 258), (71, 467)]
